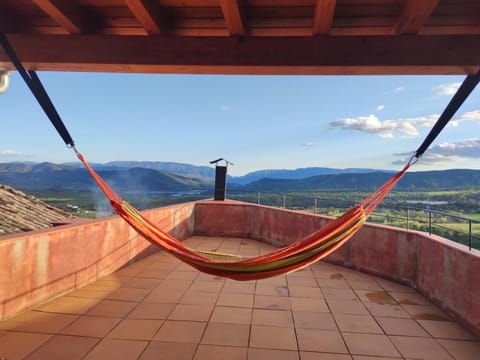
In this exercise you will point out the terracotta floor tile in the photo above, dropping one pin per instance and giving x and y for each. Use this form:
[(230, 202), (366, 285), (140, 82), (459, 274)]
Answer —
[(135, 329), (143, 283), (231, 315), (282, 318), (17, 345), (226, 334), (159, 274), (68, 305), (347, 307), (271, 290), (211, 352), (151, 311), (370, 344), (272, 302), (462, 350), (61, 347), (391, 286), (128, 294), (396, 326), (321, 341), (164, 296), (410, 298), (179, 285), (362, 357), (117, 349), (206, 286), (305, 292), (271, 337), (420, 348), (333, 283), (325, 356), (112, 308), (276, 280), (168, 351), (302, 281), (375, 297), (357, 323), (191, 312), (180, 331), (239, 287), (90, 293), (364, 284), (92, 326), (199, 298), (308, 304), (426, 312), (37, 321), (339, 294), (314, 320), (387, 310), (237, 300), (183, 275), (446, 330), (266, 354)]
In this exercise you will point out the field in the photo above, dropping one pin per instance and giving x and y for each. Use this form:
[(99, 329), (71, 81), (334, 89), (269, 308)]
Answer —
[(451, 214)]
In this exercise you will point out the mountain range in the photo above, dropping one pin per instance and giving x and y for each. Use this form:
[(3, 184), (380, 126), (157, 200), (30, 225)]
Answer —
[(175, 177)]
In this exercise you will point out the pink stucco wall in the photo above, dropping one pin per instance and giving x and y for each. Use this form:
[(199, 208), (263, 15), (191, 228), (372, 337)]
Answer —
[(39, 265)]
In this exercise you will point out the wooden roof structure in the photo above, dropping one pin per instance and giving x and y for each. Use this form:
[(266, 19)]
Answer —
[(245, 36)]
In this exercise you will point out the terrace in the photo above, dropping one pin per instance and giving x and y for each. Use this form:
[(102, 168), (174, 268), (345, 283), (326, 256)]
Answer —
[(97, 290)]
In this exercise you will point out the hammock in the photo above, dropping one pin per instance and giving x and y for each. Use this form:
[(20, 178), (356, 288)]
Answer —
[(293, 257), (288, 259)]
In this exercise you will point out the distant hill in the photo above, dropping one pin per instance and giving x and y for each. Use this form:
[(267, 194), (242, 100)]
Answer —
[(206, 172), (54, 176), (122, 177), (431, 180), (300, 173)]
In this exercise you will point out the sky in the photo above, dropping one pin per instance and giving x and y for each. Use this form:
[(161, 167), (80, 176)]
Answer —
[(255, 122)]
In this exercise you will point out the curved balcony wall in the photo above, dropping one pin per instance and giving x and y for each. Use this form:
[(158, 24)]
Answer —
[(40, 265)]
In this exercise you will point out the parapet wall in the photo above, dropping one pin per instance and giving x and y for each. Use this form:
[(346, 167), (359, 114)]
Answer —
[(445, 272), (39, 265)]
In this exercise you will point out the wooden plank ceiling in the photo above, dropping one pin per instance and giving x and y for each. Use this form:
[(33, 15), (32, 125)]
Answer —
[(245, 36)]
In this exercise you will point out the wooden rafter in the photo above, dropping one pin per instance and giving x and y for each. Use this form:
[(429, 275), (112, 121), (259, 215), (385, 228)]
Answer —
[(252, 55), (148, 14), (64, 13), (414, 15), (323, 18), (233, 17)]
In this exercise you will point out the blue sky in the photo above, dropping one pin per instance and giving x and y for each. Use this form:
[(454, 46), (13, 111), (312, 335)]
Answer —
[(256, 122)]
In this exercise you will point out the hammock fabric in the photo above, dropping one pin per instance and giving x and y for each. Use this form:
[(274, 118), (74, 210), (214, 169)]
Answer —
[(285, 260)]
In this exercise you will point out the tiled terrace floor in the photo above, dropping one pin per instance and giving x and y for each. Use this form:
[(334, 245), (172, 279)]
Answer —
[(159, 308)]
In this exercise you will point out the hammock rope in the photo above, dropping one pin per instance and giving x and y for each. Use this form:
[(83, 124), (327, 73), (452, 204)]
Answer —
[(284, 260)]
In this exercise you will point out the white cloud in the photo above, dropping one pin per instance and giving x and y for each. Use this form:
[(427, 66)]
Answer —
[(224, 108), (398, 89), (391, 127), (8, 153), (446, 89), (380, 107), (447, 152), (309, 144)]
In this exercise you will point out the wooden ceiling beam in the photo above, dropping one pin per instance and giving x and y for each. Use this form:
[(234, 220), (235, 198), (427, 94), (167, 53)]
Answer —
[(233, 14), (414, 15), (323, 17), (148, 14), (64, 13), (253, 55)]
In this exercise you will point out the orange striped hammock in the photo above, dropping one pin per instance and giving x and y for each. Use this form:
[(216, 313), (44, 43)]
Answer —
[(282, 261)]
